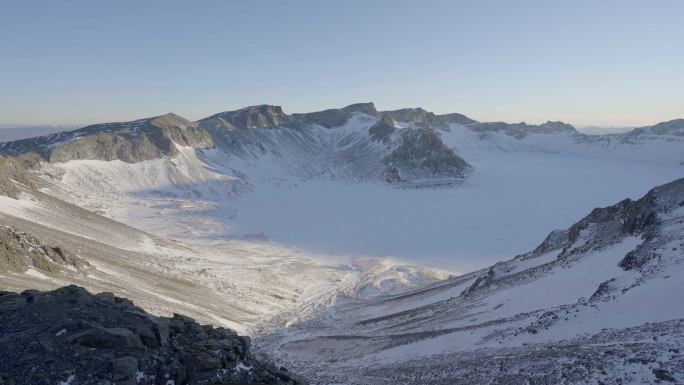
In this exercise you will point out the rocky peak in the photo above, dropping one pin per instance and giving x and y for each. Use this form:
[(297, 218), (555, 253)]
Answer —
[(338, 116), (456, 119), (263, 116), (423, 118)]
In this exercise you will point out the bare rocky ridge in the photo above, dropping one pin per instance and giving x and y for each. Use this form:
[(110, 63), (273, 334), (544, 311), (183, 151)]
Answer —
[(423, 118), (71, 336), (521, 130)]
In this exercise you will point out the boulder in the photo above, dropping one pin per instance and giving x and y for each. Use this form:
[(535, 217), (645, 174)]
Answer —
[(108, 338), (147, 335), (124, 368)]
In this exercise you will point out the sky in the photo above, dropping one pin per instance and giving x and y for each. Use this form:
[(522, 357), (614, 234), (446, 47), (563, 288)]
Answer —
[(602, 63)]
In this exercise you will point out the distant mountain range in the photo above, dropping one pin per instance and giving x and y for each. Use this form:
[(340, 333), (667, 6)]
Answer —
[(356, 142)]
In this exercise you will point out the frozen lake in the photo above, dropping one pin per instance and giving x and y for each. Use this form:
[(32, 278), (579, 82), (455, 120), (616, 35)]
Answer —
[(506, 208)]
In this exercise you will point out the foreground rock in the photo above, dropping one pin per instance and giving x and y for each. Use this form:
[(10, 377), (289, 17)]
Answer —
[(71, 336)]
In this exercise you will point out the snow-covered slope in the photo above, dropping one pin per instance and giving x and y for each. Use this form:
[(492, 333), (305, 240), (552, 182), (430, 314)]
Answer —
[(600, 301)]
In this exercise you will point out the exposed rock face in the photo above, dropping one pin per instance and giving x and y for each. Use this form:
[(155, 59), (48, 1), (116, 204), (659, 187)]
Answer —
[(418, 116), (337, 117), (456, 119), (423, 118), (130, 142), (107, 147), (264, 116), (521, 130), (30, 161), (416, 153), (11, 171), (19, 250), (423, 154), (72, 336)]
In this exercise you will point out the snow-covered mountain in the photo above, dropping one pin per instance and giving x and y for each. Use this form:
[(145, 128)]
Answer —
[(354, 143), (600, 301)]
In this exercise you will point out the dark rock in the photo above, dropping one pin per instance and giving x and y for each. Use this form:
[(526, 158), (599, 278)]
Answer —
[(109, 338), (182, 318), (105, 298), (124, 368), (30, 351), (81, 296), (147, 335), (663, 375), (210, 363), (211, 345)]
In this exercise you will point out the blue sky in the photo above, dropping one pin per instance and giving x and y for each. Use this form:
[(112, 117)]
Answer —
[(607, 63)]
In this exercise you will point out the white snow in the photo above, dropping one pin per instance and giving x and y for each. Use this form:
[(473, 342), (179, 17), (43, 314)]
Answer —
[(68, 381)]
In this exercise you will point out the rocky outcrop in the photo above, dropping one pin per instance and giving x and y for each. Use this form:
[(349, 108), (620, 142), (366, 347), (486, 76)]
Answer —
[(19, 251), (421, 118), (521, 130), (456, 119), (337, 117), (263, 116), (11, 172), (418, 116), (423, 155), (71, 336), (30, 161), (417, 153), (107, 147)]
